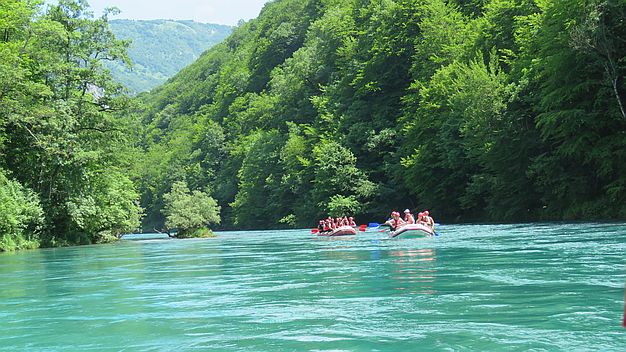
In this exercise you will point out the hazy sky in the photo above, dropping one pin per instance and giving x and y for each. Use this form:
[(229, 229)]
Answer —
[(207, 11)]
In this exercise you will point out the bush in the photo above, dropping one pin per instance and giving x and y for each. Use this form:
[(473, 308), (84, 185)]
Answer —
[(21, 216), (107, 209), (189, 211), (202, 232)]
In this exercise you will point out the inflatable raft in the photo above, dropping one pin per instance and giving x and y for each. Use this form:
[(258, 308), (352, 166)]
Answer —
[(340, 231), (412, 231)]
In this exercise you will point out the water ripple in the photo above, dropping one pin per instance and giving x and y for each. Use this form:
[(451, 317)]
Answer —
[(523, 287)]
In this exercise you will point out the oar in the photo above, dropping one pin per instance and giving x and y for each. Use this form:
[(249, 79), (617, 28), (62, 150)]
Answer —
[(388, 227), (362, 228), (315, 231)]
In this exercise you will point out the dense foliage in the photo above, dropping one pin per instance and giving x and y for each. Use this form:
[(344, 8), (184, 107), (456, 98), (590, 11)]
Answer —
[(490, 110), (161, 48), (21, 216), (189, 211), (65, 138)]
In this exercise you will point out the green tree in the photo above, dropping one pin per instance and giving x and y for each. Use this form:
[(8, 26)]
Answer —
[(337, 179), (343, 206), (109, 207), (189, 211), (64, 119)]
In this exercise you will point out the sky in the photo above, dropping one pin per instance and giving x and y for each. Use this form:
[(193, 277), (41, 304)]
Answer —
[(227, 12)]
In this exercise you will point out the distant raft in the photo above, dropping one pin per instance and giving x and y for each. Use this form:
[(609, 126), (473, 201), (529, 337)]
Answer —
[(412, 231), (340, 231)]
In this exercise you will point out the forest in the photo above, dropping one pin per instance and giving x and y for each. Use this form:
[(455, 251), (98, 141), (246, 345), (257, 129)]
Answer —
[(480, 111)]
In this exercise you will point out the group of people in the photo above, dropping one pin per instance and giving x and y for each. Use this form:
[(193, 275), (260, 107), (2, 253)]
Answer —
[(423, 218), (329, 224)]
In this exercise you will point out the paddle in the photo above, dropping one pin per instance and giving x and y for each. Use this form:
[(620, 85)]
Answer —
[(362, 228), (373, 224), (315, 230), (387, 227)]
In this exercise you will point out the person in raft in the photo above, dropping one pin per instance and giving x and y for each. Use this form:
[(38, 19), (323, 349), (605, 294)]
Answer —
[(330, 224), (408, 217), (323, 227), (395, 222), (427, 220)]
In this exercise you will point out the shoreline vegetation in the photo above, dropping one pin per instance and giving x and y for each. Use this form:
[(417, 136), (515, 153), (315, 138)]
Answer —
[(485, 111)]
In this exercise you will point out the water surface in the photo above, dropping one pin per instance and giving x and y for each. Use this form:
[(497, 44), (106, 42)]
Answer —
[(540, 287)]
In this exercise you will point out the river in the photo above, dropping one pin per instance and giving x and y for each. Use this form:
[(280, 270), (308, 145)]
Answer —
[(541, 287)]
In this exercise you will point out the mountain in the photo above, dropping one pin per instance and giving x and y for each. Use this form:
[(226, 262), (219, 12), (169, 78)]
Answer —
[(161, 48)]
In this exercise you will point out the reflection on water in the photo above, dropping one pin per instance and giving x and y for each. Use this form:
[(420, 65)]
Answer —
[(416, 270)]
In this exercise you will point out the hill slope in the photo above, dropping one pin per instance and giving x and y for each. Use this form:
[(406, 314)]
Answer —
[(161, 48), (495, 110)]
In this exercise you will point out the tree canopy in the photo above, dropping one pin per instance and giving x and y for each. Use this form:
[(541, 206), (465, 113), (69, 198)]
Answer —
[(65, 137)]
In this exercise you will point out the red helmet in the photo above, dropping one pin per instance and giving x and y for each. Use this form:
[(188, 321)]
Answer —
[(420, 214)]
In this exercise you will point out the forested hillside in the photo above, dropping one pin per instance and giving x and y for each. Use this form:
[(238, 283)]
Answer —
[(66, 139), (501, 110), (494, 110), (161, 48)]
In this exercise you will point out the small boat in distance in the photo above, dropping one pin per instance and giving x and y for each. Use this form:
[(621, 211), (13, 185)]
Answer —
[(412, 231), (340, 231)]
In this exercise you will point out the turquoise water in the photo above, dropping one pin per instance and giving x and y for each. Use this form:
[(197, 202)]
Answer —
[(545, 287)]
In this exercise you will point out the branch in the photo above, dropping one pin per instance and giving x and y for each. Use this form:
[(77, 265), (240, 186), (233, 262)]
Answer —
[(29, 131), (105, 108), (617, 96)]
